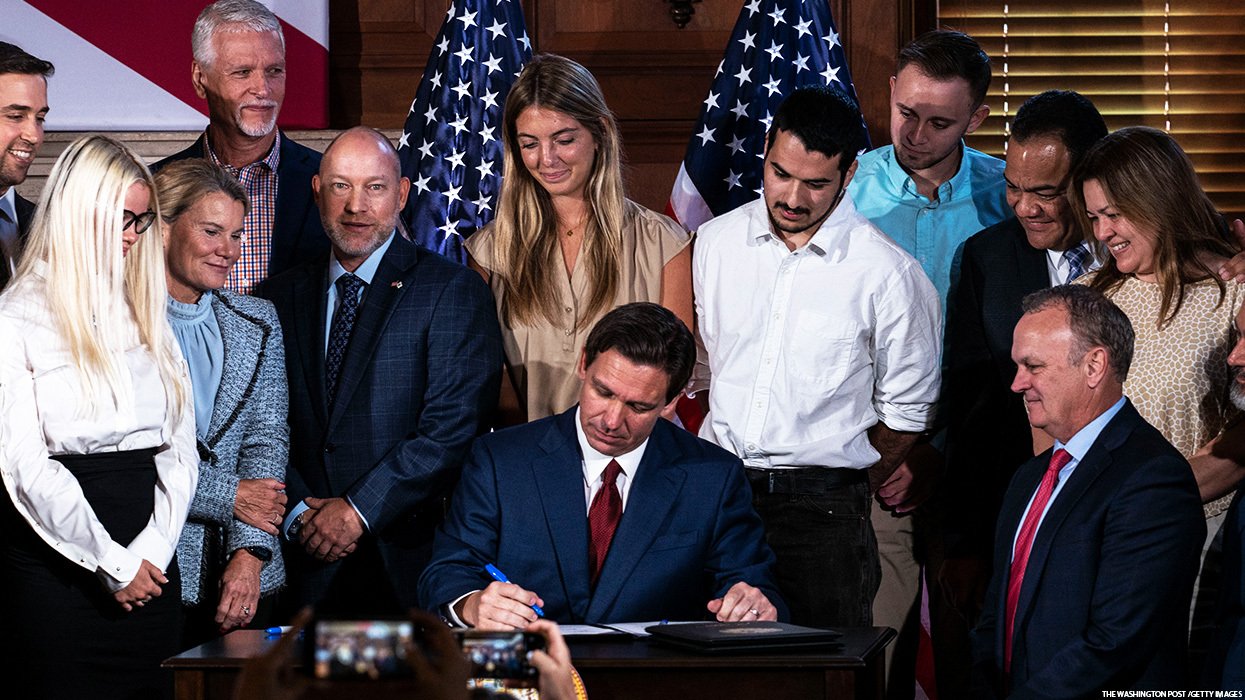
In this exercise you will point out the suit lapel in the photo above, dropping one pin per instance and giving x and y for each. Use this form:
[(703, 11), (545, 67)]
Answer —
[(1033, 269), (558, 474), (657, 485), (1087, 471), (309, 297), (241, 362), (389, 285)]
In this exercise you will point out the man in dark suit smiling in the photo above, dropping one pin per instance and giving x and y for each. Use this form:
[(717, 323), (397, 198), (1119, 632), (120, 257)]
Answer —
[(606, 513), (1099, 537), (394, 359)]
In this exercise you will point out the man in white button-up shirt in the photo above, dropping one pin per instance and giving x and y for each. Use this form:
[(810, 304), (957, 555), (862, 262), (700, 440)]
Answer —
[(822, 339)]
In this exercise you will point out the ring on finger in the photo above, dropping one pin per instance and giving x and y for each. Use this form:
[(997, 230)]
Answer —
[(246, 610), (756, 612)]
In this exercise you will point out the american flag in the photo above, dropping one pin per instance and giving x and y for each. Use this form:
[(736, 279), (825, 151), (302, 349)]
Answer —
[(451, 143), (777, 46)]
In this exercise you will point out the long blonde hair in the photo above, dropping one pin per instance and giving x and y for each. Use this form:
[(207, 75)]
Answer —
[(77, 232), (526, 253)]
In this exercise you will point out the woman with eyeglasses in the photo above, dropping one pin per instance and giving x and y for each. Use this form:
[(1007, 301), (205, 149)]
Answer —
[(567, 246), (229, 555), (97, 444)]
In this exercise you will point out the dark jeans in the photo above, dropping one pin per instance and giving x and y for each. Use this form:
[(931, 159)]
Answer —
[(828, 568)]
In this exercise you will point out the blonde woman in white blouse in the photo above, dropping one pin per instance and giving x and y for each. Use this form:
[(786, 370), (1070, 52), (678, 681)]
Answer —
[(97, 442)]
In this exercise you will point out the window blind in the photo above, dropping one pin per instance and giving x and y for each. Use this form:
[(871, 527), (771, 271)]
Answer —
[(1177, 65)]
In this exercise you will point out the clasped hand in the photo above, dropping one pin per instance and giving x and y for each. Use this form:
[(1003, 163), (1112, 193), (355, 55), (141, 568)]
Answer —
[(144, 586), (331, 528), (260, 503)]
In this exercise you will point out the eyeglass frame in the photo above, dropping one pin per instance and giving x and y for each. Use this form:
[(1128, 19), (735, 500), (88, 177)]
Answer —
[(140, 222)]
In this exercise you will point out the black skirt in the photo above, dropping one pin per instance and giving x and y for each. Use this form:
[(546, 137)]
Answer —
[(64, 634)]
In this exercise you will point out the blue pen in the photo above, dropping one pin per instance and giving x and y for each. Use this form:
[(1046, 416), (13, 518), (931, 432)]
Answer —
[(499, 576), (273, 631)]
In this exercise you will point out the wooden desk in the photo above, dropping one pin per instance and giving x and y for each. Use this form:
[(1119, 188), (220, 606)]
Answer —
[(615, 669)]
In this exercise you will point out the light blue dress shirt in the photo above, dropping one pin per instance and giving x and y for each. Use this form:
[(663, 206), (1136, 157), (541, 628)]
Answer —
[(365, 272), (1077, 447), (932, 231), (8, 229)]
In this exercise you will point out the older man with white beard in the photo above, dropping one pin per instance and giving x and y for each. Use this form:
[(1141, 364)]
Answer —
[(239, 68)]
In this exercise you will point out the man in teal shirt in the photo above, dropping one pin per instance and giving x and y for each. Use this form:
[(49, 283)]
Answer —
[(929, 192)]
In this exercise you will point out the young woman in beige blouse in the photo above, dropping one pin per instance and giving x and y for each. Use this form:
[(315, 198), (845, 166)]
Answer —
[(566, 245)]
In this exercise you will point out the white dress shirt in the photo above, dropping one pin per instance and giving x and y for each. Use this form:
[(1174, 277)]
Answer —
[(808, 349), (594, 464), (1057, 267), (42, 415)]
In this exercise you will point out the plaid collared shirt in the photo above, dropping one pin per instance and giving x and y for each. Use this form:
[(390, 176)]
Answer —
[(259, 179)]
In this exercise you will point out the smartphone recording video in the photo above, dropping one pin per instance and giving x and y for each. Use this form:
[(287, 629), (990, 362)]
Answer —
[(501, 654), (362, 649)]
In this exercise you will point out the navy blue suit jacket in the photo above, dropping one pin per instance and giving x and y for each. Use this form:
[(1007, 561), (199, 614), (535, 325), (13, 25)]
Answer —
[(688, 533), (418, 382), (988, 434), (24, 209), (297, 235), (1105, 598)]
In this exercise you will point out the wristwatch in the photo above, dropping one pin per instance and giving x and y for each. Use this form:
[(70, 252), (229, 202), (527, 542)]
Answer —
[(260, 553)]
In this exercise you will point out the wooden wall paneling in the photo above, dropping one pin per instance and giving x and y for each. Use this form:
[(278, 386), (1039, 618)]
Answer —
[(654, 75), (378, 52), (873, 32)]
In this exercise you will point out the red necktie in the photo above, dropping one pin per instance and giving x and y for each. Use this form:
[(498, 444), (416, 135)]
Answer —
[(1024, 542), (603, 519)]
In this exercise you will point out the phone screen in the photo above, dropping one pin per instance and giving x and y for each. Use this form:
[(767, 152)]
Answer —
[(501, 654), (361, 649)]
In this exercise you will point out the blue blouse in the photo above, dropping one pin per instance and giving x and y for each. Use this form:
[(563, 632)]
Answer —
[(199, 336)]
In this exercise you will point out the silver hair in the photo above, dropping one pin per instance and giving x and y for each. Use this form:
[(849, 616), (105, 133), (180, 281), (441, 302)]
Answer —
[(243, 15)]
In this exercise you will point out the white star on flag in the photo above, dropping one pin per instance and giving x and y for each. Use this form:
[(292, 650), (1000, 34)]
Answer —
[(454, 115), (723, 164)]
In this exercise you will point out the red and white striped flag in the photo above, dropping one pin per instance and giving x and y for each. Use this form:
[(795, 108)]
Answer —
[(124, 65)]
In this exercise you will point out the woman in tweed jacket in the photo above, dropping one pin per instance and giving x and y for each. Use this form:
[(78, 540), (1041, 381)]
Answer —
[(229, 553)]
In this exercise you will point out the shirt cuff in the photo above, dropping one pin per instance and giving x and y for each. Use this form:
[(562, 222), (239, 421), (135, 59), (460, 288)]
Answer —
[(905, 418), (291, 519), (118, 567), (366, 526), (452, 617), (151, 546)]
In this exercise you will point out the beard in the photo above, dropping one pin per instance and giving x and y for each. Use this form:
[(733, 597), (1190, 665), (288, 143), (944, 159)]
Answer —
[(1237, 392), (257, 129)]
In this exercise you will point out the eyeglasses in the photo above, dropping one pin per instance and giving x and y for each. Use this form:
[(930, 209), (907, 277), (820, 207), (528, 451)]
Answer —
[(140, 222)]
